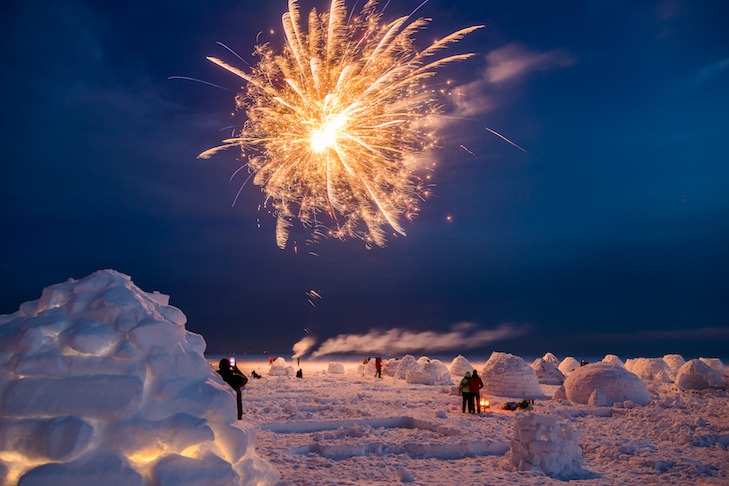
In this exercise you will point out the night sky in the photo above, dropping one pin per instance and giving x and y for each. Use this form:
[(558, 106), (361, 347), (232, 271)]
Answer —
[(610, 234)]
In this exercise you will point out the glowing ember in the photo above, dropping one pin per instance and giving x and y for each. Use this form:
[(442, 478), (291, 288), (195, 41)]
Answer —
[(336, 120)]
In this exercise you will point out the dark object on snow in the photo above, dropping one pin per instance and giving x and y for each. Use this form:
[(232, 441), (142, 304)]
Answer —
[(378, 367), (583, 362), (255, 375), (299, 374), (237, 380), (523, 405)]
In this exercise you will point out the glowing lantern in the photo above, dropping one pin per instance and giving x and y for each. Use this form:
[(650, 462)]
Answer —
[(484, 404)]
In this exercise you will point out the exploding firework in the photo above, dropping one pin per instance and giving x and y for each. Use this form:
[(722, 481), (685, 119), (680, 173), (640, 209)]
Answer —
[(337, 119)]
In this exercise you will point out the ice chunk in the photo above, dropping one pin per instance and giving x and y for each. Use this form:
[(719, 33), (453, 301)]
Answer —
[(335, 368), (173, 434), (541, 443), (104, 469), (57, 439), (209, 470), (95, 396)]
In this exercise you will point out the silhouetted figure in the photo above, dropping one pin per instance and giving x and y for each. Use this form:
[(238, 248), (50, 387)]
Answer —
[(466, 393), (475, 384), (299, 374), (237, 380), (255, 375), (378, 367), (583, 362)]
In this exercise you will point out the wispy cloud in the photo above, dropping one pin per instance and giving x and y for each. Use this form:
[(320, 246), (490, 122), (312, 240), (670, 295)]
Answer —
[(712, 70), (509, 63), (514, 61), (398, 341)]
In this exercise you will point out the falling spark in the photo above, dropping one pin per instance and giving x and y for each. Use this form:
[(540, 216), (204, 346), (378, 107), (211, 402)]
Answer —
[(337, 119), (504, 139), (466, 149)]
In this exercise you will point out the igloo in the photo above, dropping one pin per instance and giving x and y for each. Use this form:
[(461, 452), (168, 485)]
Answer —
[(430, 372), (568, 365), (649, 369), (459, 366), (506, 375), (697, 375), (613, 359), (407, 363), (674, 363), (547, 372), (604, 384), (100, 383), (551, 358), (279, 367), (715, 364)]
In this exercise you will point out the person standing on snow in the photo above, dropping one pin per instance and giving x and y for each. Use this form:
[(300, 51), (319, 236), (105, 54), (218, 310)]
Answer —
[(237, 380), (466, 392), (378, 367), (475, 384)]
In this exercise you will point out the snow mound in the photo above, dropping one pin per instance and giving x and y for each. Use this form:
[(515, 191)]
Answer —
[(551, 358), (547, 372), (697, 375), (430, 372), (613, 359), (506, 375), (716, 365), (568, 365), (100, 383), (335, 369), (649, 369), (407, 363), (541, 443), (603, 384), (389, 366), (279, 367), (674, 362), (459, 366)]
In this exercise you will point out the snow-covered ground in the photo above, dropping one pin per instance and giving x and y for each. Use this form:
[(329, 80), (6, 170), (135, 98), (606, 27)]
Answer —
[(332, 428), (101, 383)]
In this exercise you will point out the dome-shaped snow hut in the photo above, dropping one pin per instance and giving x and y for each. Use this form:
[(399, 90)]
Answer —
[(506, 375), (603, 384)]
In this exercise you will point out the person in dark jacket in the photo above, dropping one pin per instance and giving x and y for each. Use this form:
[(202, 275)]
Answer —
[(378, 367), (237, 380), (466, 392), (475, 384)]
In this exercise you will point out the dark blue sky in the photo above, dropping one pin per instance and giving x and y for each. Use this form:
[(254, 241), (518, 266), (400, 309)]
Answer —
[(609, 235)]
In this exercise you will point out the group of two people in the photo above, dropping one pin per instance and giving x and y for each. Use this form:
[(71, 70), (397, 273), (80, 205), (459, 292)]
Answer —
[(470, 388)]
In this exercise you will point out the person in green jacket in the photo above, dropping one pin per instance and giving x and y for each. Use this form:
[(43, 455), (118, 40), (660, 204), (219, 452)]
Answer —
[(465, 391)]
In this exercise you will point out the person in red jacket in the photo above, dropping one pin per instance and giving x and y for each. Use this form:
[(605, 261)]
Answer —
[(474, 385), (378, 367)]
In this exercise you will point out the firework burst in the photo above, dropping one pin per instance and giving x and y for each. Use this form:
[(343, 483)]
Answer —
[(337, 119)]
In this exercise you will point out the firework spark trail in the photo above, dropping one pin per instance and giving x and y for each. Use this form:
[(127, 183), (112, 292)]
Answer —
[(337, 120), (504, 139)]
